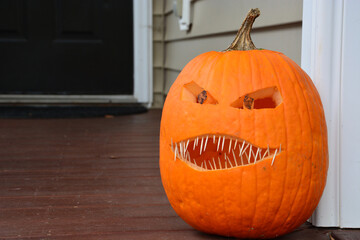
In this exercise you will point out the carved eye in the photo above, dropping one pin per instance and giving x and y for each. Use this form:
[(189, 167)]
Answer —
[(260, 99), (194, 93)]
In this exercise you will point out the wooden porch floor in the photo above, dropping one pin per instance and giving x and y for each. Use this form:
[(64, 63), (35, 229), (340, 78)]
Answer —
[(94, 178)]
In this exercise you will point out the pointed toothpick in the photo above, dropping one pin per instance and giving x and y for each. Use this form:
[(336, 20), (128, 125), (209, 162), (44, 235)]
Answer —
[(181, 150), (175, 152), (272, 162), (207, 137), (247, 157), (250, 152), (234, 158), (211, 165), (257, 152), (217, 149), (187, 144), (229, 146), (222, 146)]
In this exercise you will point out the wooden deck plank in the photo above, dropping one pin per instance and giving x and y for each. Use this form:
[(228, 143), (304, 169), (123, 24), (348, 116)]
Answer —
[(80, 200)]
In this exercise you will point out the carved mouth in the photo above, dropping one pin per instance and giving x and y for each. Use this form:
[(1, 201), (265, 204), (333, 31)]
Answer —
[(216, 152)]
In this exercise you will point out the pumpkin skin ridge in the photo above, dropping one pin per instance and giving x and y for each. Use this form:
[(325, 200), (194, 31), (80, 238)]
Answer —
[(313, 89), (299, 183), (289, 67), (265, 55)]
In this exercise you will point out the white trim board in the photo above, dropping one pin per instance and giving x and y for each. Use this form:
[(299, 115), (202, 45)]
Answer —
[(330, 55), (43, 98), (143, 76), (143, 55)]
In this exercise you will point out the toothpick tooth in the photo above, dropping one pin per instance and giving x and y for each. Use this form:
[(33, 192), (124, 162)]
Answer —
[(235, 144), (217, 149), (185, 159), (214, 163), (260, 156), (247, 157), (195, 162), (272, 162), (175, 152), (202, 142), (280, 148), (257, 152), (242, 146), (225, 164), (197, 141), (220, 167), (207, 137), (222, 146), (184, 152), (250, 152), (229, 161), (214, 139), (205, 164), (234, 158), (211, 165), (268, 150), (181, 150), (242, 163), (187, 144), (243, 151), (246, 147), (230, 145), (194, 144)]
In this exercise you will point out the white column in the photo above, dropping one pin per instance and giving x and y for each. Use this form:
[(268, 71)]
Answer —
[(330, 55), (143, 85)]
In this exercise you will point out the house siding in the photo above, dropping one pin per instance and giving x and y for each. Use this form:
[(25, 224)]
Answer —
[(214, 25)]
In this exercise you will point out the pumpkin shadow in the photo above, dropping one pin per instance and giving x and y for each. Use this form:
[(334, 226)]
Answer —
[(202, 235)]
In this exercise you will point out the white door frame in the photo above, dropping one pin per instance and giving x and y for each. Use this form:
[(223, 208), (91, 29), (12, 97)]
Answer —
[(330, 49), (143, 83)]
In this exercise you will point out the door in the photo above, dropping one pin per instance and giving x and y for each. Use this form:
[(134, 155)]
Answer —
[(66, 47)]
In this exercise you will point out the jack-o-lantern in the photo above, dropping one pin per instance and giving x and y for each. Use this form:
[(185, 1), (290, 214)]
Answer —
[(243, 142)]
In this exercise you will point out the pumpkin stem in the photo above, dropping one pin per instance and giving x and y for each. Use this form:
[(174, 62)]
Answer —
[(243, 40)]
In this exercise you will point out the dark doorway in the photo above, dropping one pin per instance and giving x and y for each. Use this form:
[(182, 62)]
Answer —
[(66, 47)]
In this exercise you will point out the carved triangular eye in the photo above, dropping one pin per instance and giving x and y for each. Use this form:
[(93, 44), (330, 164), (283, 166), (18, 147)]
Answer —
[(194, 93), (260, 99)]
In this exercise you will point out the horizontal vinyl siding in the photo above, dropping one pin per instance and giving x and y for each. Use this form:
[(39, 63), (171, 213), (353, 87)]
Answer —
[(286, 39), (215, 16)]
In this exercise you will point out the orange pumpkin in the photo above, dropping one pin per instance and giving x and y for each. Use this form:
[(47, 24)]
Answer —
[(243, 142)]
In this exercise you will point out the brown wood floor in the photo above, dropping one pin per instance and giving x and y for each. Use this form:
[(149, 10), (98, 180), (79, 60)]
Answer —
[(94, 178)]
